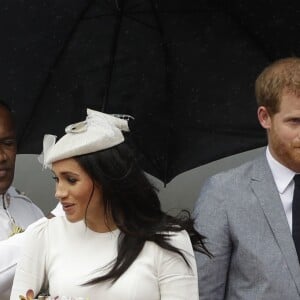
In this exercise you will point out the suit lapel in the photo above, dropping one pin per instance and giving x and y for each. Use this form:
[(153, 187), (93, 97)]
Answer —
[(264, 187)]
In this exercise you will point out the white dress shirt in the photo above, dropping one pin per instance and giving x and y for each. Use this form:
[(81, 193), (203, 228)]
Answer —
[(285, 184)]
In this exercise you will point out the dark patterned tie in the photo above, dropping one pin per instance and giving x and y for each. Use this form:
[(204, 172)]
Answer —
[(296, 214)]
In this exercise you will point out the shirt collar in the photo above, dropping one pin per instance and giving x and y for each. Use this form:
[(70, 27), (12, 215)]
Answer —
[(281, 174)]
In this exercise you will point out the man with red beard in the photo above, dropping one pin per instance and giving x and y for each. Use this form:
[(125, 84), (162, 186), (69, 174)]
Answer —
[(248, 213)]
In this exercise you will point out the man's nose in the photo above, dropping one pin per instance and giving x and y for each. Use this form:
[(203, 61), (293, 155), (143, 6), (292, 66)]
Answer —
[(3, 154)]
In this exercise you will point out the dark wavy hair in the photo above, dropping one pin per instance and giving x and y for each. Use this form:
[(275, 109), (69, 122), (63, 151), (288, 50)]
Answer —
[(133, 203)]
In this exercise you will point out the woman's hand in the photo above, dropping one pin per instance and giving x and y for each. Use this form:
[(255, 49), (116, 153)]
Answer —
[(29, 295)]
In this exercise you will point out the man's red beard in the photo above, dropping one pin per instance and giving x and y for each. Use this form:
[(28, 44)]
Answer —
[(287, 154)]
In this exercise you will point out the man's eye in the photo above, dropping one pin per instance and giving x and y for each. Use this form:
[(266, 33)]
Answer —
[(55, 178), (296, 120), (10, 142)]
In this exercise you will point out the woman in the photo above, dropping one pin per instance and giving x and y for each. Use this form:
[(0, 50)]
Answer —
[(115, 242)]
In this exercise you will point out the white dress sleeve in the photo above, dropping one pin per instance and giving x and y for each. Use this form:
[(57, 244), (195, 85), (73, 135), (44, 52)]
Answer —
[(30, 272), (177, 280), (10, 254)]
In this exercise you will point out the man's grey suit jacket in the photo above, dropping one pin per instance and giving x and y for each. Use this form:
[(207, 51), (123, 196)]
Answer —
[(241, 214)]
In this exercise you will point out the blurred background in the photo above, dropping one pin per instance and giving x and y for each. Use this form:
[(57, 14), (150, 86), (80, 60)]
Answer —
[(180, 193)]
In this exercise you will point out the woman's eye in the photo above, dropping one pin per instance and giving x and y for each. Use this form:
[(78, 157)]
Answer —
[(72, 180), (55, 178)]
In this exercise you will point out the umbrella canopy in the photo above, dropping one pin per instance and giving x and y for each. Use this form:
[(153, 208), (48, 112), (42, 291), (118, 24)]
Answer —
[(185, 70)]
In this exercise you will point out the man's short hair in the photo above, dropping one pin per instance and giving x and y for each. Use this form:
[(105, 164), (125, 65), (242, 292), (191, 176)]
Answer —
[(282, 76)]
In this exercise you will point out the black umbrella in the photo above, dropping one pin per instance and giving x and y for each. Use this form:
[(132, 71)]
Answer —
[(184, 69)]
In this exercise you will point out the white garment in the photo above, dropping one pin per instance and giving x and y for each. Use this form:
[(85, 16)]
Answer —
[(58, 210), (20, 208), (23, 212), (283, 178), (65, 255), (10, 252)]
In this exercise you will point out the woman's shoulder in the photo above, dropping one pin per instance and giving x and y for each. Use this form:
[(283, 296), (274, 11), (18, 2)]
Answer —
[(37, 225), (166, 259), (180, 239), (40, 226)]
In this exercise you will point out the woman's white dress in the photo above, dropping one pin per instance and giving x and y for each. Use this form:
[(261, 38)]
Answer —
[(64, 255)]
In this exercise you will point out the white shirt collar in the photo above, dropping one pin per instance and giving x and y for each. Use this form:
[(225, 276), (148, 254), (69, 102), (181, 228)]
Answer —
[(281, 174)]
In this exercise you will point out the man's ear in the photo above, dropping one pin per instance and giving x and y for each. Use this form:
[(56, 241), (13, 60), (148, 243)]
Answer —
[(264, 117)]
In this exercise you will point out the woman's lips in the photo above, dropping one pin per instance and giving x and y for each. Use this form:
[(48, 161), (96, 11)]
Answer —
[(68, 207)]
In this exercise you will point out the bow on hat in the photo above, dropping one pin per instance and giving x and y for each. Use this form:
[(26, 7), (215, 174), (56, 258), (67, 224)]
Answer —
[(98, 132)]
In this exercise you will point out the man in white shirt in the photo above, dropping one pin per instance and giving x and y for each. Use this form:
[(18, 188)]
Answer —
[(17, 211), (246, 213)]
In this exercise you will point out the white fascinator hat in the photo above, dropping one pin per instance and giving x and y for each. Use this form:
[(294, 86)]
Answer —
[(98, 131)]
